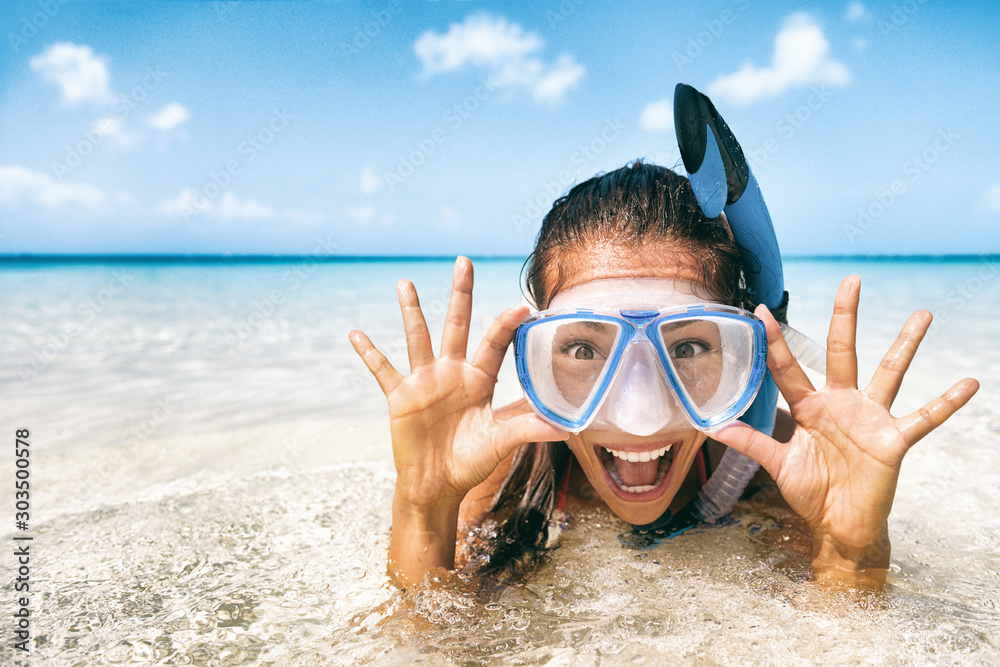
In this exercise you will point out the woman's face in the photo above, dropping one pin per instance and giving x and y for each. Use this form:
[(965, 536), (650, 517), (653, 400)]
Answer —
[(638, 491)]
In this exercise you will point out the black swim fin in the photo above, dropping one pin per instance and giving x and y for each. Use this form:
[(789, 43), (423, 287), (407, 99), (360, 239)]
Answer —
[(709, 150)]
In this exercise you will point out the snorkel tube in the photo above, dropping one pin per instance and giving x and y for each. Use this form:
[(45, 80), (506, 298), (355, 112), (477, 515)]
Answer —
[(724, 183)]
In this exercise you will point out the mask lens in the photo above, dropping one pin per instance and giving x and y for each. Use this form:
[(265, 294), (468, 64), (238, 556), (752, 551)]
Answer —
[(567, 358), (712, 359)]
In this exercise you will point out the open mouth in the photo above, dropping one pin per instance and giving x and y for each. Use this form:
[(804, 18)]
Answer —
[(638, 475)]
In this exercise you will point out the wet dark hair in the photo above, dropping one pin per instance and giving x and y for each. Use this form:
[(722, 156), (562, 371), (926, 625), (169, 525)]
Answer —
[(627, 209)]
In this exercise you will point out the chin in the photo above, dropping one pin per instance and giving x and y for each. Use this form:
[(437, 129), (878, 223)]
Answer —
[(637, 477)]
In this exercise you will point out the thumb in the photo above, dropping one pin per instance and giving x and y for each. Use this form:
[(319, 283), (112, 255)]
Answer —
[(520, 430), (747, 440)]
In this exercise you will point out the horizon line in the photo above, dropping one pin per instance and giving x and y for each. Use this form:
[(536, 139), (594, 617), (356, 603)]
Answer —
[(331, 258)]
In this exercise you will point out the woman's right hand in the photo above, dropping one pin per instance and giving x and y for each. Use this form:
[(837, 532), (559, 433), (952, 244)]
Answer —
[(445, 436)]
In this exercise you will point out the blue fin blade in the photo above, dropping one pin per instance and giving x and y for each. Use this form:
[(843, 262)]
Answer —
[(751, 224), (709, 180)]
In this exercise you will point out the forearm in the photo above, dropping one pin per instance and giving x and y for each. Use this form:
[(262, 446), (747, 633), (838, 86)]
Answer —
[(422, 539)]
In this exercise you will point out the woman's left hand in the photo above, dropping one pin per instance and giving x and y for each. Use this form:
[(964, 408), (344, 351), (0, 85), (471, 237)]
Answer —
[(839, 469)]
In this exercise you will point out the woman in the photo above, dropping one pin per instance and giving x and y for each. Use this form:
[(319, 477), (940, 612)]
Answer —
[(633, 241)]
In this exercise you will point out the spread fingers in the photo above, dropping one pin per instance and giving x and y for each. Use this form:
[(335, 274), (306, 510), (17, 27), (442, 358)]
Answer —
[(787, 374), (492, 350), (841, 350), (915, 426), (387, 376), (889, 374), (456, 324), (418, 338)]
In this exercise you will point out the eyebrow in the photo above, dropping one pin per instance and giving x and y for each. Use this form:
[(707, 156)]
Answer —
[(600, 327), (676, 325)]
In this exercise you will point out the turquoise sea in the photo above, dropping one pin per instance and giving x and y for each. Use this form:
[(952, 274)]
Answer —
[(212, 479)]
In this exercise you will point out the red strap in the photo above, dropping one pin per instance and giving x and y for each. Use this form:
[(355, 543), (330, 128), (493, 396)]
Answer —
[(564, 485), (702, 474)]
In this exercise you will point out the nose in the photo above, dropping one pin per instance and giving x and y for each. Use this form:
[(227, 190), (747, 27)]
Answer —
[(639, 401)]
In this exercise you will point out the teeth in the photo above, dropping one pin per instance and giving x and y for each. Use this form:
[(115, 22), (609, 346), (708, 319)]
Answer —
[(636, 457), (640, 489), (637, 489)]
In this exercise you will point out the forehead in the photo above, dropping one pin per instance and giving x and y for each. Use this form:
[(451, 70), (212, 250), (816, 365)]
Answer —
[(609, 261)]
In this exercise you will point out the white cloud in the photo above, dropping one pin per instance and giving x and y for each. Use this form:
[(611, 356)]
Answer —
[(658, 116), (504, 50), (801, 58), (184, 202), (169, 117), (80, 75), (371, 182), (21, 187), (451, 218), (190, 202), (361, 214), (108, 125), (552, 85), (482, 40), (231, 208), (857, 12), (116, 132), (303, 217), (83, 76), (990, 200)]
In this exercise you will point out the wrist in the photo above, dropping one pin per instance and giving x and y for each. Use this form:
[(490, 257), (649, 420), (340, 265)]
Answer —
[(433, 517), (832, 554), (423, 538)]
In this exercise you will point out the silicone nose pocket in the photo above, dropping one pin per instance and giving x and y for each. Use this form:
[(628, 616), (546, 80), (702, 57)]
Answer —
[(639, 400)]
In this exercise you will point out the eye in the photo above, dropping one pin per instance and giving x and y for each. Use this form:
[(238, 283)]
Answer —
[(581, 351), (689, 349)]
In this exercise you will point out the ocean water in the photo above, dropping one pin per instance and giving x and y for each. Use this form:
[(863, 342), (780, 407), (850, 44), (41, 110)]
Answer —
[(211, 484)]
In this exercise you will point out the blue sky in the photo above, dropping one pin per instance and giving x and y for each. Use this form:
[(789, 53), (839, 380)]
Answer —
[(450, 127)]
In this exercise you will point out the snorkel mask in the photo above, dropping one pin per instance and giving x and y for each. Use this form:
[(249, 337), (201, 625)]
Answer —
[(640, 356)]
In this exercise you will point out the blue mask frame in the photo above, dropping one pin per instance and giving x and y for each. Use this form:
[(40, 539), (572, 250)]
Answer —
[(635, 324)]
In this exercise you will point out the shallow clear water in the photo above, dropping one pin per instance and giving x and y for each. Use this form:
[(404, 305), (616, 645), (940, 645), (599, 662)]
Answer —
[(213, 483)]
